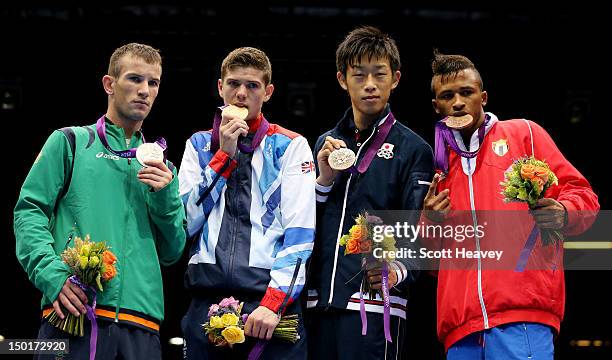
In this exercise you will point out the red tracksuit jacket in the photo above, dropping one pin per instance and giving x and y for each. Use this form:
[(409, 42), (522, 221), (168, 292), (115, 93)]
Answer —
[(478, 298)]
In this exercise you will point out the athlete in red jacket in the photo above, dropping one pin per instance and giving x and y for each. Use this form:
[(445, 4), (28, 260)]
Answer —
[(499, 314)]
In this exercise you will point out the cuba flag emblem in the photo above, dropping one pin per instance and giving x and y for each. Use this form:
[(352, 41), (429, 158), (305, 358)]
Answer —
[(500, 147)]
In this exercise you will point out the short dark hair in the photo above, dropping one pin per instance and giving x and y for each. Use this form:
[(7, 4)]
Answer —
[(366, 41), (145, 52), (248, 57), (447, 66)]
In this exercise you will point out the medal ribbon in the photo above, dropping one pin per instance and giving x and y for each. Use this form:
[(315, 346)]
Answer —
[(381, 134), (445, 139), (126, 154)]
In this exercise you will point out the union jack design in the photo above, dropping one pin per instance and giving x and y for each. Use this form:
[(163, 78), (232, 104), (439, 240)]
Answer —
[(307, 167)]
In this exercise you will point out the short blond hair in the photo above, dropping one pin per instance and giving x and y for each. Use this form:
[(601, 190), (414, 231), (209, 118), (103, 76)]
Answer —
[(248, 57), (145, 52)]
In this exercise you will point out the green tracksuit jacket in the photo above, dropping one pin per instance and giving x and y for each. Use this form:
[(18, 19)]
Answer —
[(106, 201)]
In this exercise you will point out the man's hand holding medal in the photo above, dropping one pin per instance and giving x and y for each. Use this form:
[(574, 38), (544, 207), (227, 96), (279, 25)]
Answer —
[(333, 157), (233, 125), (154, 171)]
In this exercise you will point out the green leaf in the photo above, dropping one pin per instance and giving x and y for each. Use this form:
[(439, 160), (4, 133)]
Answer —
[(522, 194), (99, 283)]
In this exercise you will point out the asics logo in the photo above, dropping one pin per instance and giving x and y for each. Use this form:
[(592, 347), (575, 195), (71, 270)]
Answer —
[(107, 156)]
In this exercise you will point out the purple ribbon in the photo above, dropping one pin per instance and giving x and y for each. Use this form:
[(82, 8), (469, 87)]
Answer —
[(362, 312), (93, 336), (126, 154), (386, 306), (262, 130), (526, 251), (445, 137), (257, 350), (386, 302), (381, 134)]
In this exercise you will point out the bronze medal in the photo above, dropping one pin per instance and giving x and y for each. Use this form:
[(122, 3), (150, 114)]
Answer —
[(459, 122), (341, 159)]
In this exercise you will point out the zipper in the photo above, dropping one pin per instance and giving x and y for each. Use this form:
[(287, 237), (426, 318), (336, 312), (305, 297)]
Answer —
[(123, 243), (348, 183), (475, 221), (235, 222), (527, 340)]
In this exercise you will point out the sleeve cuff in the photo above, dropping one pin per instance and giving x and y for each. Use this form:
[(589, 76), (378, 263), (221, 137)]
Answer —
[(322, 191), (273, 299), (571, 214), (165, 199), (217, 163), (400, 271)]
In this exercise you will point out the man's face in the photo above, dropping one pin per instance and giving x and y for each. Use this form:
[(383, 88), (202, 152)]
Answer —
[(135, 89), (245, 87), (459, 95), (369, 84)]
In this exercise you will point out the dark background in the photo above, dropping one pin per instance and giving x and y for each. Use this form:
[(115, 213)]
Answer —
[(545, 64)]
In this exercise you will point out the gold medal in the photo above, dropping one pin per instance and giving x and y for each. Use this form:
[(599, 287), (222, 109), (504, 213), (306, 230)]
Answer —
[(459, 122), (341, 159), (149, 152), (233, 111)]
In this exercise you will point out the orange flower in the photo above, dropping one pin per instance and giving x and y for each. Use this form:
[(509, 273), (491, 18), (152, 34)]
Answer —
[(528, 171), (365, 246), (542, 173), (358, 232), (352, 246), (540, 183), (109, 258), (109, 272)]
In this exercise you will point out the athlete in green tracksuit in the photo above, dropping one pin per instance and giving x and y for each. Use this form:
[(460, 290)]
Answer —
[(136, 210)]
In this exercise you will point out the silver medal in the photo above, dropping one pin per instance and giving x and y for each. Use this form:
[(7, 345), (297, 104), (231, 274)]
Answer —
[(149, 152)]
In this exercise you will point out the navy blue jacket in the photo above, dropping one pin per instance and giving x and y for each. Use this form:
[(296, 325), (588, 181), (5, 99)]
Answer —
[(397, 179)]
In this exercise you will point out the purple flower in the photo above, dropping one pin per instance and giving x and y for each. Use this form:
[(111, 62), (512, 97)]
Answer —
[(244, 318), (227, 302), (213, 309), (371, 219)]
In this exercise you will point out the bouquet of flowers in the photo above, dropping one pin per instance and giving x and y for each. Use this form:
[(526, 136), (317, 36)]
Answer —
[(361, 240), (225, 325), (92, 265), (526, 181)]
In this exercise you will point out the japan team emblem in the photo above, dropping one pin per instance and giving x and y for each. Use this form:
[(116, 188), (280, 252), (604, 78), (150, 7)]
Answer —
[(500, 147), (385, 151)]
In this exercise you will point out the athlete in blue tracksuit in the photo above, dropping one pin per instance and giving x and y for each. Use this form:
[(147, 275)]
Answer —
[(252, 214), (397, 178)]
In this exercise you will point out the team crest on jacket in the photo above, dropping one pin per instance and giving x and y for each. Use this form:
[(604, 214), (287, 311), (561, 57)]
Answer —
[(500, 147), (385, 151)]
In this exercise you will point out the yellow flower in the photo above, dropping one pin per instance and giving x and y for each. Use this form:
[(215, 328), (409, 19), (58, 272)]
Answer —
[(85, 250), (229, 319), (94, 261), (388, 243), (216, 322), (83, 261), (233, 335)]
